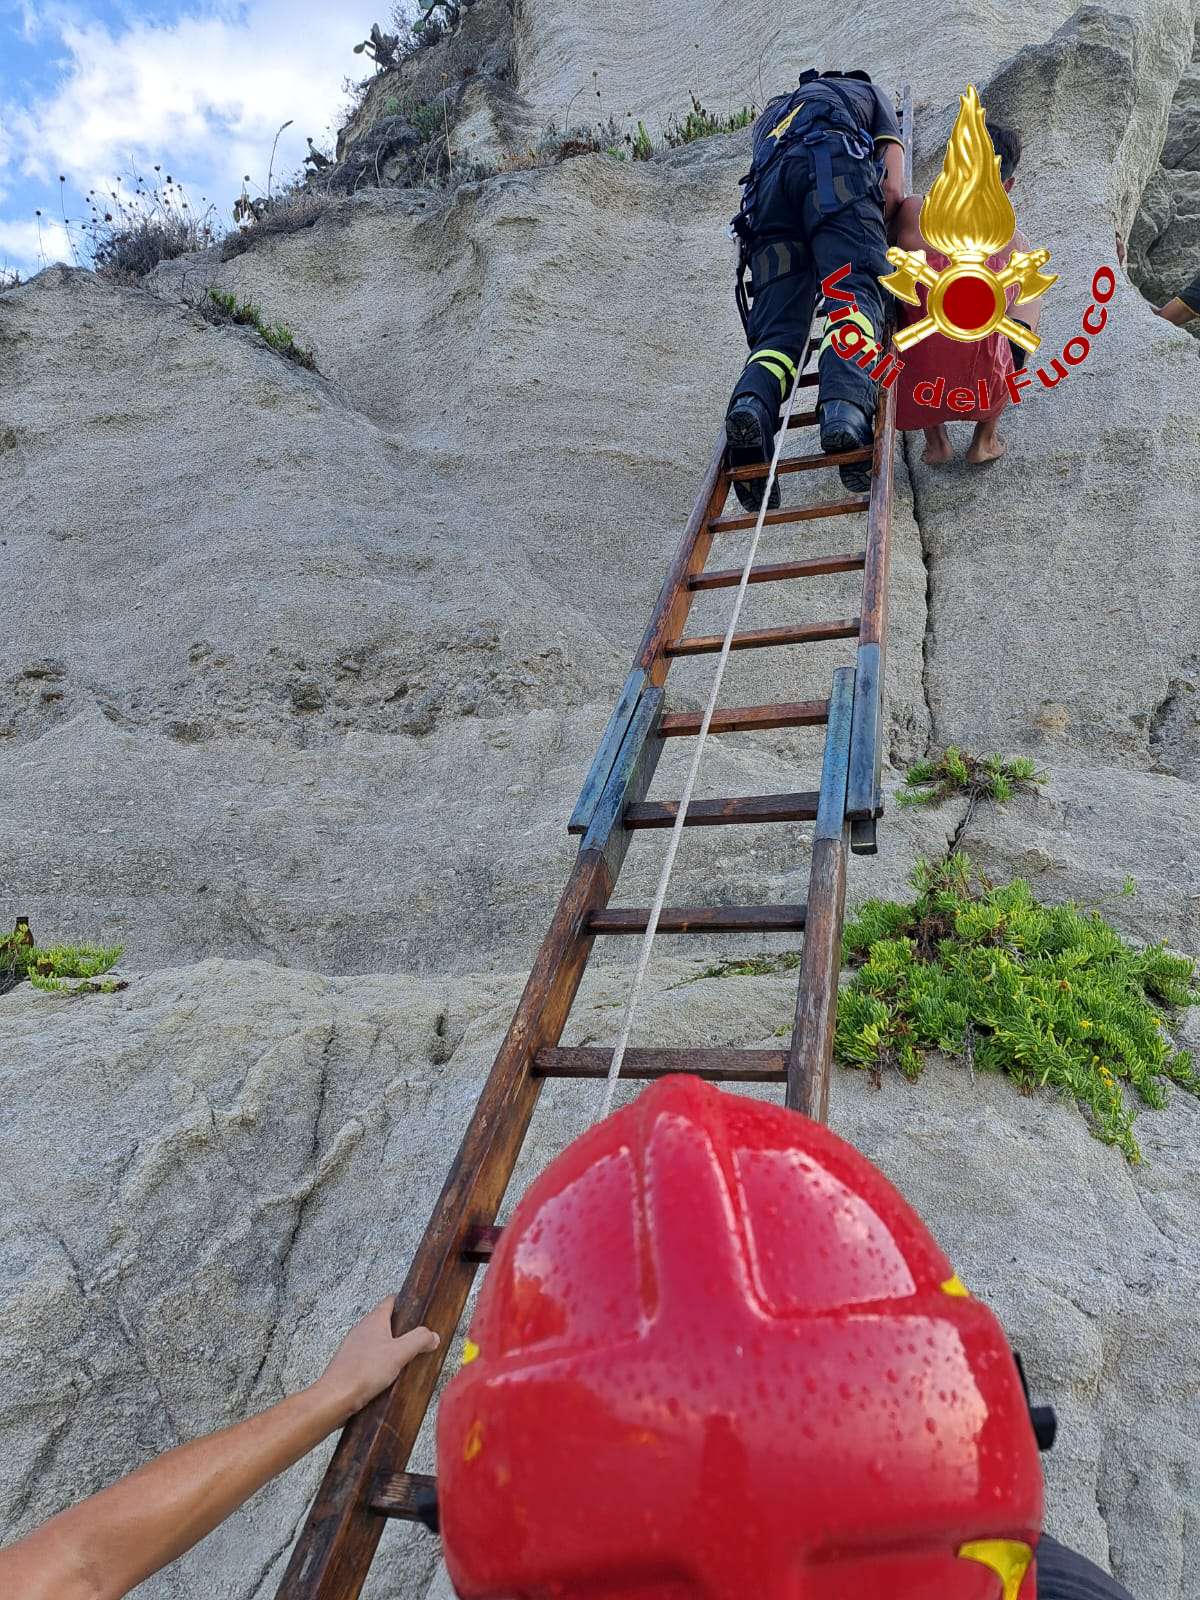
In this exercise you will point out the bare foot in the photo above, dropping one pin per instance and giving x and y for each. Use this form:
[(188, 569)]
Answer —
[(938, 449), (985, 447)]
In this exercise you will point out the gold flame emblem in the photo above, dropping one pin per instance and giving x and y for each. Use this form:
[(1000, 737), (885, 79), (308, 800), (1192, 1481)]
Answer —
[(968, 217)]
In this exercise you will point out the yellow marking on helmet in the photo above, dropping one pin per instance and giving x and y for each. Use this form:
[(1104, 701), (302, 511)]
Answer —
[(780, 128), (470, 1351), (860, 319), (955, 1285), (1009, 1559), (473, 1443)]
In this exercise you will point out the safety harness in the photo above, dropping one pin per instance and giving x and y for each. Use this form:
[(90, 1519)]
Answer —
[(818, 123)]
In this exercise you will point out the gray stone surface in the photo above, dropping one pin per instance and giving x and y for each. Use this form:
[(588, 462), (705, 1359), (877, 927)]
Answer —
[(1164, 245), (299, 675), (1063, 594), (467, 80), (351, 639), (208, 1175)]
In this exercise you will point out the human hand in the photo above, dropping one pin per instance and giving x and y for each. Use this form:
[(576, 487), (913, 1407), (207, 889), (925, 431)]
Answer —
[(370, 1358)]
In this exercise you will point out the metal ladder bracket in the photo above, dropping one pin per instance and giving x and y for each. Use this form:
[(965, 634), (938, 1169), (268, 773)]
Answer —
[(863, 793), (609, 749), (628, 781)]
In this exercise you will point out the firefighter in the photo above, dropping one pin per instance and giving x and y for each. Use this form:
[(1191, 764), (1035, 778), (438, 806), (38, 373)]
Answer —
[(827, 174), (717, 1356)]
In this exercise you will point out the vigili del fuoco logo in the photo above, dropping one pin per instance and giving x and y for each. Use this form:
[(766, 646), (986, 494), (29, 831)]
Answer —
[(968, 217)]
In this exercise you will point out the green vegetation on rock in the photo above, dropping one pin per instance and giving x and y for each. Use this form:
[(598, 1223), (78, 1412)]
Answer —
[(220, 308), (1051, 995), (995, 777), (700, 123), (49, 967)]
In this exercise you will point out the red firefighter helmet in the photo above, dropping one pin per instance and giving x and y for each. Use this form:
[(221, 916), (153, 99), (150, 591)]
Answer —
[(718, 1357)]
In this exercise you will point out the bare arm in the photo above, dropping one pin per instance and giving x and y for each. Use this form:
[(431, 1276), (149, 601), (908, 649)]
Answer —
[(905, 228), (893, 178), (106, 1546)]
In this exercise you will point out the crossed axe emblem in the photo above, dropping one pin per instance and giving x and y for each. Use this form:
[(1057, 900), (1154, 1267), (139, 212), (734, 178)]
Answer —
[(967, 300)]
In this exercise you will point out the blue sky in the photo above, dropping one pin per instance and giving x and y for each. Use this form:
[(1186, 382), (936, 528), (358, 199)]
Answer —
[(92, 89)]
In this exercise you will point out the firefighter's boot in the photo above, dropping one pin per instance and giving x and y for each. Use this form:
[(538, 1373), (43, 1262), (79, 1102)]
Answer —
[(750, 433), (846, 426)]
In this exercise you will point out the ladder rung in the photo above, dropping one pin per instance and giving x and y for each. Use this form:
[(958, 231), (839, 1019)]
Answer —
[(827, 508), (802, 419), (398, 1494), (799, 807), (720, 1066), (760, 638), (835, 458), (747, 719), (700, 919), (807, 380), (775, 571)]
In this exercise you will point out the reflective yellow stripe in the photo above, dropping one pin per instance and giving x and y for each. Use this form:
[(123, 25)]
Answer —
[(1009, 1559), (470, 1351), (859, 318), (780, 128), (779, 356), (956, 1286), (777, 370)]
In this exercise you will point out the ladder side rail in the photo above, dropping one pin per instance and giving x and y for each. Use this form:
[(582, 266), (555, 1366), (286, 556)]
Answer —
[(811, 1054), (333, 1554), (674, 601), (864, 801), (675, 597), (606, 752)]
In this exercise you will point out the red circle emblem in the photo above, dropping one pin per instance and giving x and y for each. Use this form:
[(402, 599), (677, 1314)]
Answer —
[(969, 302)]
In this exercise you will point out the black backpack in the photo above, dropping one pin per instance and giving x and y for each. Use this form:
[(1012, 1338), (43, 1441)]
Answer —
[(788, 120)]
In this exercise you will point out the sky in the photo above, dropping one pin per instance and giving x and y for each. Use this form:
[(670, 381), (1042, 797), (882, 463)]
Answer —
[(93, 90)]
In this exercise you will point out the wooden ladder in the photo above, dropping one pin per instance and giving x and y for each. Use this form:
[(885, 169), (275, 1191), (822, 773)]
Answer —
[(367, 1481)]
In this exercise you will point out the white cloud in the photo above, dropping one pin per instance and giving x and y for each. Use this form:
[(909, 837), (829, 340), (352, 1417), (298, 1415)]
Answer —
[(23, 247), (196, 93), (29, 24)]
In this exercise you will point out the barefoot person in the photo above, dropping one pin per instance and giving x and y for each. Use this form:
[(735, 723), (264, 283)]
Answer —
[(961, 366), (106, 1546)]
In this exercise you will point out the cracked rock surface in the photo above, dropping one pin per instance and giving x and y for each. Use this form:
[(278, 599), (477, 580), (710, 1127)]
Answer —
[(300, 674), (209, 1175)]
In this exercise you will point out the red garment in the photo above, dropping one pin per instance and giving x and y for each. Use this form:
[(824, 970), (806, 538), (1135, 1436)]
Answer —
[(963, 366)]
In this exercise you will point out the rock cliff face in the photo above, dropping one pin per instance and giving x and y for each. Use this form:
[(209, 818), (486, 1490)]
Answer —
[(299, 674), (1163, 245)]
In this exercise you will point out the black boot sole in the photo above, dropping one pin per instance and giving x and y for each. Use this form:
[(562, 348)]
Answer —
[(857, 475), (742, 432)]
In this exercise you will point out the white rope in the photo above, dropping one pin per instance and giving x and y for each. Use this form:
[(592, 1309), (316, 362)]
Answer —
[(635, 994)]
